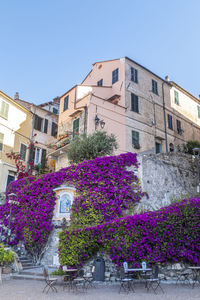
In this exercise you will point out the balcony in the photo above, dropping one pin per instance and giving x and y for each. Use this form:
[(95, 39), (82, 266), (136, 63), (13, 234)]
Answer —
[(60, 146)]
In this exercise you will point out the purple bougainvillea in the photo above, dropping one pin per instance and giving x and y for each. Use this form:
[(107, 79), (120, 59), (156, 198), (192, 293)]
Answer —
[(171, 234), (104, 190)]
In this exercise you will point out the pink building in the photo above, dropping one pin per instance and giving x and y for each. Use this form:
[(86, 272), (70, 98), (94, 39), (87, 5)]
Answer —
[(124, 98)]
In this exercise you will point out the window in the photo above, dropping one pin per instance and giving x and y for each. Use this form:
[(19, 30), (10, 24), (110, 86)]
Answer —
[(23, 149), (54, 129), (178, 125), (154, 87), (198, 109), (170, 123), (135, 139), (37, 158), (158, 147), (75, 127), (134, 75), (100, 82), (45, 126), (134, 103), (55, 110), (43, 158), (10, 179), (115, 76), (1, 141), (38, 122), (4, 107), (176, 97), (171, 147), (66, 103)]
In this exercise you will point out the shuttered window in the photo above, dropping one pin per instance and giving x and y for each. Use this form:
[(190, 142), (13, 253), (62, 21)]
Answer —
[(170, 123), (4, 107), (176, 97), (134, 75), (100, 82), (38, 122), (54, 129), (134, 103), (45, 125), (23, 149), (154, 87), (1, 141), (66, 103), (198, 109), (43, 159), (115, 76), (178, 124), (75, 127), (135, 139)]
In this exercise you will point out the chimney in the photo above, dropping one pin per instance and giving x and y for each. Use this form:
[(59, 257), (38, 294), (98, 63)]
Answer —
[(167, 78), (16, 97)]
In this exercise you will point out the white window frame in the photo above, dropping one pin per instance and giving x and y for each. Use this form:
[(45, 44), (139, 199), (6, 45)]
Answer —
[(40, 156)]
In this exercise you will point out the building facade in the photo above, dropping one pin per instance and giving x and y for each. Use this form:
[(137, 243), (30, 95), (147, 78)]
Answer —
[(146, 113), (43, 131), (15, 136)]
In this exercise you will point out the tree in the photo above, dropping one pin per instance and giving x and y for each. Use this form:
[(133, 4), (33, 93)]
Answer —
[(86, 147)]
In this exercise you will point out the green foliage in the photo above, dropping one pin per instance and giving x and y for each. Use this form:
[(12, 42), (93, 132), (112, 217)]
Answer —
[(85, 147), (191, 145), (58, 272), (6, 256)]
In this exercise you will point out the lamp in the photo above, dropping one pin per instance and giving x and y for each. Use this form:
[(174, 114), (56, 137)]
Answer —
[(102, 123), (98, 121)]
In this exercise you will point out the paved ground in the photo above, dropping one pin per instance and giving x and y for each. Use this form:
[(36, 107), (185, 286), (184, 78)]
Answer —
[(32, 290)]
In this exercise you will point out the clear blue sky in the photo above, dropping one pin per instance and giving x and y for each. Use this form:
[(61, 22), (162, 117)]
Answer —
[(47, 46)]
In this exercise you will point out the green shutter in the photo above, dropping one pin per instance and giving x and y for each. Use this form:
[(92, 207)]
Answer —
[(135, 139), (23, 152), (4, 109), (1, 141), (176, 97), (75, 127), (198, 108)]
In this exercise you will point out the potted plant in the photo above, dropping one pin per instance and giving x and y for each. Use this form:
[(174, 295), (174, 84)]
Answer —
[(6, 259)]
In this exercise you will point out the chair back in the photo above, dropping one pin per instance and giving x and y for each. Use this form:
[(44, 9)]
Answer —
[(121, 273), (144, 265), (125, 265), (45, 273), (80, 273), (156, 272)]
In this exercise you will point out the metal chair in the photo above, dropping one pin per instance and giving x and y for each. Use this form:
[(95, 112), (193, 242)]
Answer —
[(153, 282), (125, 281), (50, 282), (79, 279)]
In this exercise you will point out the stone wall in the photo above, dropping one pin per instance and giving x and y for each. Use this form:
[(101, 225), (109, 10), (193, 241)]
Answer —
[(170, 272), (166, 177)]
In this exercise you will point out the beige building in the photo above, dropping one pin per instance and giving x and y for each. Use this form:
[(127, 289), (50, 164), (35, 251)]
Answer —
[(43, 131), (145, 112), (15, 134)]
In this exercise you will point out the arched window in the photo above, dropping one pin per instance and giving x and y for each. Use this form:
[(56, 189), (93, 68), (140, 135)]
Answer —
[(171, 147)]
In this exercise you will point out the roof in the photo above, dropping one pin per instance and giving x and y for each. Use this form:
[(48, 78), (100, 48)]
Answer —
[(28, 105), (15, 102)]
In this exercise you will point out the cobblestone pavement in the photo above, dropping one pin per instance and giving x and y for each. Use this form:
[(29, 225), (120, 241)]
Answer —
[(31, 289)]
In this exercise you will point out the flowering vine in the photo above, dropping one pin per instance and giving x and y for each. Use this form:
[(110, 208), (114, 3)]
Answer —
[(105, 190)]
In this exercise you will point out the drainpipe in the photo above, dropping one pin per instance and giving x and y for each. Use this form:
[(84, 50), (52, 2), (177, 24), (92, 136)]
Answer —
[(165, 127)]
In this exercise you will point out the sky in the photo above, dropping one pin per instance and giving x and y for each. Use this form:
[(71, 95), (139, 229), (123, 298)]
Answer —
[(47, 46)]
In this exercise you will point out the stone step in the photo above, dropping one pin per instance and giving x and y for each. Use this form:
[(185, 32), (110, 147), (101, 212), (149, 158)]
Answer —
[(29, 267), (26, 276)]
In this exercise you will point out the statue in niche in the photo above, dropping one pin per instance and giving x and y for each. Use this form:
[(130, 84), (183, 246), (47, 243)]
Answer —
[(65, 203)]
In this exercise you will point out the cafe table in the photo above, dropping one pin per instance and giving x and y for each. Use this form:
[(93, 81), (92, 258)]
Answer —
[(68, 278)]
